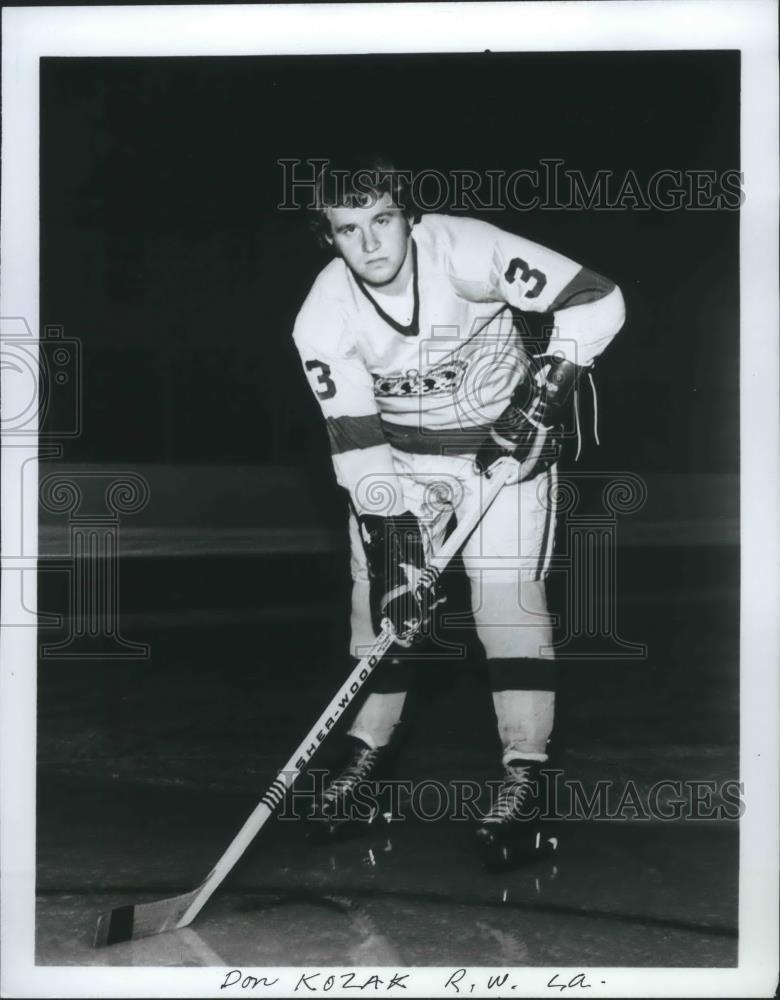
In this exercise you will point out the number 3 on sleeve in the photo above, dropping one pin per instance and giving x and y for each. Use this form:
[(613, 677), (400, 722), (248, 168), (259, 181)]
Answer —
[(325, 387), (527, 274)]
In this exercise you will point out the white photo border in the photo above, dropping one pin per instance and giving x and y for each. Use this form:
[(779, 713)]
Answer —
[(750, 26)]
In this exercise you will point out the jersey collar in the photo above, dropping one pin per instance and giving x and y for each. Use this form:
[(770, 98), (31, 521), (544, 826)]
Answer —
[(413, 329)]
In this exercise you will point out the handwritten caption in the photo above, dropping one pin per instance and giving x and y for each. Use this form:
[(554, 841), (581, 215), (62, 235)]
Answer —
[(457, 982), (503, 981)]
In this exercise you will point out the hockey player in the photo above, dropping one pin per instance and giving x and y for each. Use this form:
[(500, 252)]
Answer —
[(409, 345)]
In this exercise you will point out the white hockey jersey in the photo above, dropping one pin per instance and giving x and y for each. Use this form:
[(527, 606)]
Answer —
[(437, 383)]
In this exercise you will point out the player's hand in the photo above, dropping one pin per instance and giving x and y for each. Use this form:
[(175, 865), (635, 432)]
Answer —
[(403, 589), (409, 611), (531, 428)]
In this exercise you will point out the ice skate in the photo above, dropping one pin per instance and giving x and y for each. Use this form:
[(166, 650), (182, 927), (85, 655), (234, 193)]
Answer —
[(511, 832), (349, 806)]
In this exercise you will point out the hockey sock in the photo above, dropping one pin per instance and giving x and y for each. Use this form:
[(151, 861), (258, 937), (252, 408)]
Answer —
[(392, 676), (381, 712), (524, 702)]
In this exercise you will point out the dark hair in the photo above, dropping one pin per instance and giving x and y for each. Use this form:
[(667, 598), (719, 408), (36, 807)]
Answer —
[(358, 182)]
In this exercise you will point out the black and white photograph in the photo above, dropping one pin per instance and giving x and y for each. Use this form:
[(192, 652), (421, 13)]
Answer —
[(389, 500)]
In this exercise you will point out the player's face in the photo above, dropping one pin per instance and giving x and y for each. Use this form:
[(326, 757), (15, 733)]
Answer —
[(374, 241)]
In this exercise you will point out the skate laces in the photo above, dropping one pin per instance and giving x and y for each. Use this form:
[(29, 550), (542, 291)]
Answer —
[(512, 795), (358, 770)]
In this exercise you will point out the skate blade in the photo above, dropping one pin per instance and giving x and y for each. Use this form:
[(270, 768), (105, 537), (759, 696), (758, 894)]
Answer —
[(323, 831), (503, 855)]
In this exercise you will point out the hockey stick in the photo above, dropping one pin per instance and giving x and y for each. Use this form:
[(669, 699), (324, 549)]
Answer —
[(125, 923)]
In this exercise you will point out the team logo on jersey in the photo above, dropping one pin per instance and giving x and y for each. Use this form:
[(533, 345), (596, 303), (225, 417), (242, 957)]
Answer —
[(441, 380)]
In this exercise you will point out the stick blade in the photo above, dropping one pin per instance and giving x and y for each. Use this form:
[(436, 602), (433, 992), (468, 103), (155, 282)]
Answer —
[(127, 923), (114, 926)]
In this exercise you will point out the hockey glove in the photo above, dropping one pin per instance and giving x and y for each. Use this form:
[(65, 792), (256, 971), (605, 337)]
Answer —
[(403, 589), (536, 413)]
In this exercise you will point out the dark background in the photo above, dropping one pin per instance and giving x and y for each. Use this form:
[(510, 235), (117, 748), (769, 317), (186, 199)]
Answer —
[(164, 253)]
